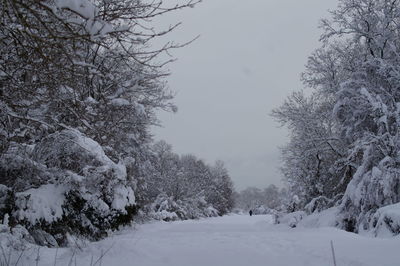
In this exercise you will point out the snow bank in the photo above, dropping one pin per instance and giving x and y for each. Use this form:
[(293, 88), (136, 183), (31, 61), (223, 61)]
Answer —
[(385, 222), (325, 218)]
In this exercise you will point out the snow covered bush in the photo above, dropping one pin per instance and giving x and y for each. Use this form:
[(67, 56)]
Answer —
[(166, 209), (386, 221), (319, 204), (89, 196), (197, 207), (291, 219), (327, 218), (19, 171)]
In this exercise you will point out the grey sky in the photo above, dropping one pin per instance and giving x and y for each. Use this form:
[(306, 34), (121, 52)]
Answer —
[(247, 60)]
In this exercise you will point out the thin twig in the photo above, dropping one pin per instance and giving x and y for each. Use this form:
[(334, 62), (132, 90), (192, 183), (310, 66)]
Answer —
[(4, 254), (72, 257), (20, 256), (103, 254)]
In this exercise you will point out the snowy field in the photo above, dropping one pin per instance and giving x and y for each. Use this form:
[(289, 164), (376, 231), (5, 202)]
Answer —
[(231, 240)]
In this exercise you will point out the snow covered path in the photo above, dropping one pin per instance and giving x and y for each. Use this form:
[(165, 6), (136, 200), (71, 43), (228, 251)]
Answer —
[(234, 240)]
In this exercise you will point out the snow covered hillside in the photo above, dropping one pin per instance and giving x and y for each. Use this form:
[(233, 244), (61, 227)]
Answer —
[(229, 240)]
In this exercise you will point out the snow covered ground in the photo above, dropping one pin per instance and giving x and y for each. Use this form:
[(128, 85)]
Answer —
[(230, 240)]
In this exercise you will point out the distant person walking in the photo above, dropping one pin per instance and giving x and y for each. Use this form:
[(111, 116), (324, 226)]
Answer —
[(251, 213)]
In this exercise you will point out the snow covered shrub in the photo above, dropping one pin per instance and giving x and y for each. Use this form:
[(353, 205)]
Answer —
[(291, 219), (87, 194), (386, 221), (211, 212), (369, 191), (197, 207), (19, 171), (318, 204), (325, 218), (89, 216), (165, 208)]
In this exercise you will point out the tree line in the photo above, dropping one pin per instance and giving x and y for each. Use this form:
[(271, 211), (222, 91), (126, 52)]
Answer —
[(261, 201)]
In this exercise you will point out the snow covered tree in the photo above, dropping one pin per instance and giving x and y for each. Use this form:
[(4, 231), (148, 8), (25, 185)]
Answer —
[(272, 197), (166, 177), (249, 198), (260, 201), (196, 175), (184, 187), (220, 191), (309, 159), (85, 65), (79, 87), (367, 105), (355, 76)]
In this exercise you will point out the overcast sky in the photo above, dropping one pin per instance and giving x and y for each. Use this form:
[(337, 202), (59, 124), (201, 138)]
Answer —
[(247, 60)]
